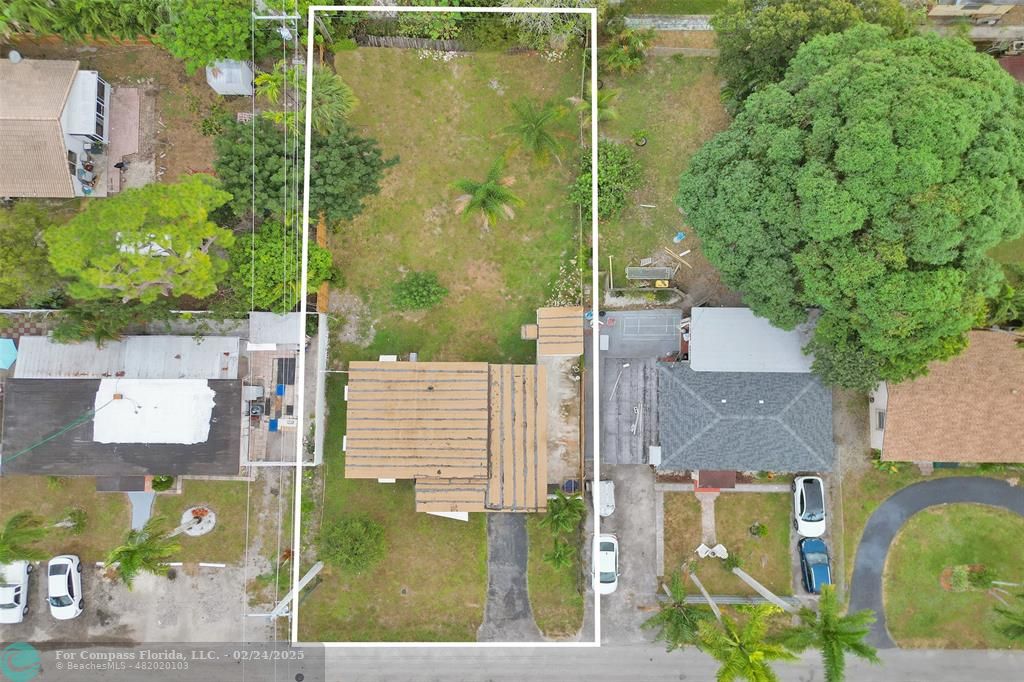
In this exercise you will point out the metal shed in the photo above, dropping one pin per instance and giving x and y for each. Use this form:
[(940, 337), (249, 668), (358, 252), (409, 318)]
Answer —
[(230, 77)]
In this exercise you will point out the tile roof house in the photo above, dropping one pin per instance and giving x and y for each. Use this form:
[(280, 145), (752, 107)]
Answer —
[(51, 113), (969, 408), (745, 400)]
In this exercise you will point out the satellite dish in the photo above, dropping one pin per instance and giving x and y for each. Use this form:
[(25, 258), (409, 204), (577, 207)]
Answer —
[(14, 56)]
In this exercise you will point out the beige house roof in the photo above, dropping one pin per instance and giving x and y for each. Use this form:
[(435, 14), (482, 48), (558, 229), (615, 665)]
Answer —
[(472, 435), (33, 157), (559, 331), (967, 409)]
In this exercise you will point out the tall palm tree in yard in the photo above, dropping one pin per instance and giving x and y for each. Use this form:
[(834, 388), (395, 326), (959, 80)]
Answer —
[(1012, 625), (145, 549), (564, 513), (606, 110), (21, 531), (677, 622), (834, 634), (491, 198), (532, 128), (333, 99), (743, 648)]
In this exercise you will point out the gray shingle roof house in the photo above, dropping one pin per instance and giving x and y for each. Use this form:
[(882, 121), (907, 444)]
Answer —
[(743, 421)]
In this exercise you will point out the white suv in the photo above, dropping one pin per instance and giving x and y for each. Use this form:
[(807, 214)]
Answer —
[(14, 591), (64, 584), (809, 506)]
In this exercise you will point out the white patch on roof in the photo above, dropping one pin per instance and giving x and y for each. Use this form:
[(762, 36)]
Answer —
[(266, 328), (736, 340), (153, 411), (135, 357)]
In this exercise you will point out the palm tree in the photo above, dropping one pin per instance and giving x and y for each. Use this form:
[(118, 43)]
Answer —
[(833, 634), (492, 198), (1012, 625), (333, 99), (564, 513), (145, 549), (21, 531), (743, 649), (531, 130), (560, 556), (606, 110), (676, 620)]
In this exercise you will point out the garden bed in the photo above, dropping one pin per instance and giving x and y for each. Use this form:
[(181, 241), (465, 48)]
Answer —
[(555, 595)]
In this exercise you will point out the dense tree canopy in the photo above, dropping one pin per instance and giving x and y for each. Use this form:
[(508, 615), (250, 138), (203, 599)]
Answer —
[(26, 277), (144, 243), (868, 184), (346, 168), (199, 32), (757, 38), (265, 268)]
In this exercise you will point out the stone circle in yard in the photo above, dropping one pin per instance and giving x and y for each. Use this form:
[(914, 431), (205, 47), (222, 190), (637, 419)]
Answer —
[(201, 520)]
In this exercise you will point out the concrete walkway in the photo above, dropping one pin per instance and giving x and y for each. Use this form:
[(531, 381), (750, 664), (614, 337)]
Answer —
[(707, 518), (507, 614), (658, 22), (885, 523), (142, 508), (664, 51)]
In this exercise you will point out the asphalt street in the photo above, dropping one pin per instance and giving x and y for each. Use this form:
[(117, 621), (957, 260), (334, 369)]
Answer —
[(885, 523)]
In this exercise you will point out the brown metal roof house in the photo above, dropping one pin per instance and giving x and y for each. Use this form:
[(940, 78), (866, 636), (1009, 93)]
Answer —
[(53, 119), (967, 409)]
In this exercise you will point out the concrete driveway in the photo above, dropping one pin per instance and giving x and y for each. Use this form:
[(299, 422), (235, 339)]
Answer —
[(885, 523), (633, 522), (200, 605)]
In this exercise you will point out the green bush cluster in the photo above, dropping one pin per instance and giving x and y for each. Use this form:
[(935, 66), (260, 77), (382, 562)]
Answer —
[(418, 290), (618, 175), (354, 543)]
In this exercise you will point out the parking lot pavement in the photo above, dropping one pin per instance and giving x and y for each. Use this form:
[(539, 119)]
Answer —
[(633, 522), (198, 605)]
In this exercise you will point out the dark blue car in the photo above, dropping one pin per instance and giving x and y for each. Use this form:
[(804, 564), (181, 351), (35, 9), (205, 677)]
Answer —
[(814, 564)]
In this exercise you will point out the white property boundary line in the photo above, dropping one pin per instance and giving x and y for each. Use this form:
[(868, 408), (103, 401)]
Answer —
[(595, 297)]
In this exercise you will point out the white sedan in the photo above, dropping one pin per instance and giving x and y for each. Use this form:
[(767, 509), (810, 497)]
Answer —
[(14, 591), (607, 563), (809, 506), (64, 584)]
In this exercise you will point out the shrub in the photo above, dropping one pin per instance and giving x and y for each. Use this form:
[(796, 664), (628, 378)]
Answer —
[(758, 529), (76, 519), (560, 556), (881, 465), (417, 291), (980, 579), (354, 543), (160, 483), (732, 561), (959, 579), (618, 174), (564, 513)]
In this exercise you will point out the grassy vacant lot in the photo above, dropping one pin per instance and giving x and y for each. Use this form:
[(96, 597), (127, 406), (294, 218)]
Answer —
[(674, 6), (920, 612), (864, 492), (675, 102), (765, 558), (108, 514), (432, 582), (226, 542), (445, 121), (554, 595)]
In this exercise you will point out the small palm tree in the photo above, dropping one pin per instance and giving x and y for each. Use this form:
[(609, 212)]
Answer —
[(743, 649), (606, 110), (1012, 625), (564, 513), (21, 531), (676, 620), (492, 198), (532, 129), (560, 556), (145, 549), (333, 99), (833, 634)]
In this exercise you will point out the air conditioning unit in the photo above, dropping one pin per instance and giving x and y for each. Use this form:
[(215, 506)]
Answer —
[(1017, 46)]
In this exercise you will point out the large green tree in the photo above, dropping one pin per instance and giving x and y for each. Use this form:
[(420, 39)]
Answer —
[(144, 243), (200, 32), (26, 277), (869, 185), (265, 267), (758, 38), (832, 633)]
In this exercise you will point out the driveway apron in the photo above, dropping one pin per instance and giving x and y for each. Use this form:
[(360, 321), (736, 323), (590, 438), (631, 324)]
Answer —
[(885, 523), (507, 614)]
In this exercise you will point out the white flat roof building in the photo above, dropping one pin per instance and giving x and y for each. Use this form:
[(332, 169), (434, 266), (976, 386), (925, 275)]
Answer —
[(737, 340)]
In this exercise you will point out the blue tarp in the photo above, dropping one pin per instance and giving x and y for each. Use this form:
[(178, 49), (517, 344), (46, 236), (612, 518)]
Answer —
[(8, 353)]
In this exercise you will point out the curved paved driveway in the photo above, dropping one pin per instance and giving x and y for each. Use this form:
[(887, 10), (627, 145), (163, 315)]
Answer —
[(866, 586)]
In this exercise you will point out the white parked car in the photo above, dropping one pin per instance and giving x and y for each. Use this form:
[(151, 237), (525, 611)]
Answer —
[(64, 585), (809, 506), (14, 591), (607, 563)]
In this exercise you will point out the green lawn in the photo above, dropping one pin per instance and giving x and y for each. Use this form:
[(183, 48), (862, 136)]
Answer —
[(675, 101), (226, 542), (1011, 253), (554, 595), (108, 514), (765, 558), (920, 612), (432, 582), (445, 122), (674, 6)]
